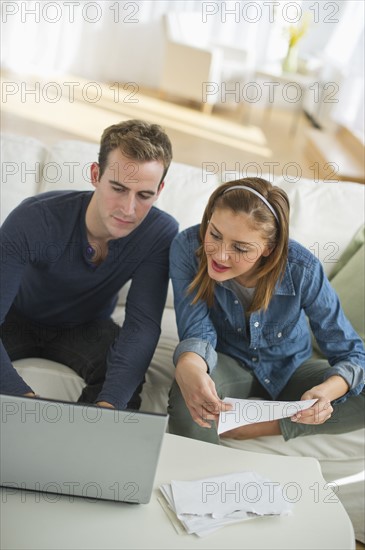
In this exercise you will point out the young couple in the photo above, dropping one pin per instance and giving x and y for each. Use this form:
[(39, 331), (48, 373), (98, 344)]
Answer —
[(242, 293)]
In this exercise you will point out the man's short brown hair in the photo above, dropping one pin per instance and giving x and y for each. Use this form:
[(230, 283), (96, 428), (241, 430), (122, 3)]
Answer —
[(137, 140)]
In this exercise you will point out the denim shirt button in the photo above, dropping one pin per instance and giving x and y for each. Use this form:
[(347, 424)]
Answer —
[(257, 324), (239, 330), (236, 302), (267, 381), (279, 334), (254, 359)]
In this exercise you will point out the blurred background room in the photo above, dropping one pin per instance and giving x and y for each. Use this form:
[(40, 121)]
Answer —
[(246, 86)]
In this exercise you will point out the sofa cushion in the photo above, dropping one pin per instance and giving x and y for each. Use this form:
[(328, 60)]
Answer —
[(357, 242), (22, 160), (349, 285), (50, 379), (348, 282), (67, 166), (186, 193), (325, 216)]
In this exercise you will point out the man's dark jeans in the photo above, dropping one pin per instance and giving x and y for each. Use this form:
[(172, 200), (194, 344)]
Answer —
[(83, 348)]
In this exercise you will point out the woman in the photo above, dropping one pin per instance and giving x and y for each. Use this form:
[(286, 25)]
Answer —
[(243, 294)]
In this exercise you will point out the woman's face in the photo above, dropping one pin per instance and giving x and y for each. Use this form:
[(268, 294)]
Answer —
[(233, 247)]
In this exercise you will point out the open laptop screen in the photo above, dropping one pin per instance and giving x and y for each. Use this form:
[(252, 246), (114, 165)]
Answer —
[(79, 450)]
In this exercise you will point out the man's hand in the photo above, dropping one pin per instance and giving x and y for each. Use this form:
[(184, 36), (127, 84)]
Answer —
[(198, 389), (29, 394), (105, 404)]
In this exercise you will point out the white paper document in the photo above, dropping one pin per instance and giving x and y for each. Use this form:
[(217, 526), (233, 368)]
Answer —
[(249, 411), (205, 505)]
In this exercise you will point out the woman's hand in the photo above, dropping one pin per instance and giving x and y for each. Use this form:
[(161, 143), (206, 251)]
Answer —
[(198, 389), (333, 388), (318, 413)]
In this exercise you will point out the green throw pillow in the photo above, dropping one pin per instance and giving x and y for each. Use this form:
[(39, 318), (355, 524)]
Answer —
[(356, 243), (348, 282), (349, 285)]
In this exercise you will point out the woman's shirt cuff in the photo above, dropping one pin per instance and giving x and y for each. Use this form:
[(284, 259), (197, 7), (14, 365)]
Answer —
[(200, 347)]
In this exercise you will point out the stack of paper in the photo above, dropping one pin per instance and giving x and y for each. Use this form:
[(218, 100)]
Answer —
[(205, 505)]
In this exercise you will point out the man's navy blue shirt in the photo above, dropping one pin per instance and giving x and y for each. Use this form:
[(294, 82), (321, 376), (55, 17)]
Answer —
[(47, 275)]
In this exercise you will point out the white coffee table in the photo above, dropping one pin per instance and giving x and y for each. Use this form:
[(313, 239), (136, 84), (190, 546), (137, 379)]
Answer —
[(40, 521)]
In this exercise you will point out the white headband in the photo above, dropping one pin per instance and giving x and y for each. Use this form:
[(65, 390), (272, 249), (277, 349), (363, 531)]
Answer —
[(257, 195)]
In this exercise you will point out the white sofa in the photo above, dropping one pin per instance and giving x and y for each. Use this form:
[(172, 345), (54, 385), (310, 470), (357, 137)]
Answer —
[(325, 217)]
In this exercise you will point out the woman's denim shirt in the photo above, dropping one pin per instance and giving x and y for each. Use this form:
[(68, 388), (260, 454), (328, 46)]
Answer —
[(275, 342)]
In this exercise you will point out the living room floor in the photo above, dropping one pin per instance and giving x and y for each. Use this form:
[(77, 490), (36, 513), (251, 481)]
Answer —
[(233, 138)]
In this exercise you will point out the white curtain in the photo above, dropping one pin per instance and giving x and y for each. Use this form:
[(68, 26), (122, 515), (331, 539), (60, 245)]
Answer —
[(123, 40), (345, 52), (101, 40)]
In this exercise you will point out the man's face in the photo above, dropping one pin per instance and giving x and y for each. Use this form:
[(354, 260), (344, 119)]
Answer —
[(124, 195)]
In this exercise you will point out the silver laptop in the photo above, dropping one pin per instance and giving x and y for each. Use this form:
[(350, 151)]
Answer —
[(79, 450)]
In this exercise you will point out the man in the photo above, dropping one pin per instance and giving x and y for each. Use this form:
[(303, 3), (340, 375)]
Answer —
[(65, 256)]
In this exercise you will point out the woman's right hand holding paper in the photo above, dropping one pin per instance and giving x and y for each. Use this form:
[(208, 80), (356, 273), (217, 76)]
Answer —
[(198, 389)]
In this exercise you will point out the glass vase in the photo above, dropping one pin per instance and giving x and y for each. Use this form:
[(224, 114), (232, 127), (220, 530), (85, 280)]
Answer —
[(290, 61)]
